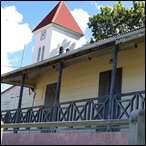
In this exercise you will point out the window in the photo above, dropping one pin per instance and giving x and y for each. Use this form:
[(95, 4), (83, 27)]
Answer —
[(61, 49), (39, 54), (43, 50)]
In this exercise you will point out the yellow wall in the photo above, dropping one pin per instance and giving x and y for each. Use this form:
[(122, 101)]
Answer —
[(133, 62), (42, 81), (81, 80)]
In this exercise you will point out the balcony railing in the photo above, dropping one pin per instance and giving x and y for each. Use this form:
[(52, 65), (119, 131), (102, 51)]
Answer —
[(86, 109)]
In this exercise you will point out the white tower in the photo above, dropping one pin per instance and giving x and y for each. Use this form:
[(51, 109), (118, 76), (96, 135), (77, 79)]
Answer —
[(56, 33)]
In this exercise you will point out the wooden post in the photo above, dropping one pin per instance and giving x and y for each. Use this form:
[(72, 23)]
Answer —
[(59, 81), (136, 135), (57, 91), (21, 91), (113, 82), (20, 99)]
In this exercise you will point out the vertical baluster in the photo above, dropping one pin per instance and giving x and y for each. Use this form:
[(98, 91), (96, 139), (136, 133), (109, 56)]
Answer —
[(89, 110), (7, 117), (131, 103), (39, 115), (71, 112), (142, 102), (92, 110), (61, 114), (43, 115), (68, 112), (51, 114), (85, 111), (75, 112), (117, 109), (30, 115), (21, 115), (42, 119), (57, 113), (35, 114), (27, 116), (137, 101)]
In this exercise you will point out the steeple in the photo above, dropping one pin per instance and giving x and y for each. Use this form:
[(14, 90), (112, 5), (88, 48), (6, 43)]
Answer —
[(60, 15), (57, 33)]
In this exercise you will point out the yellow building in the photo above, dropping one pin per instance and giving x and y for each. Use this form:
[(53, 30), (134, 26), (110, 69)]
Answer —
[(103, 80), (87, 73)]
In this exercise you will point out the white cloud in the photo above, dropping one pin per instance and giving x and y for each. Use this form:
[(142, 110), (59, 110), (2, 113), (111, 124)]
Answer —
[(82, 18), (96, 5), (5, 66), (16, 59), (14, 35)]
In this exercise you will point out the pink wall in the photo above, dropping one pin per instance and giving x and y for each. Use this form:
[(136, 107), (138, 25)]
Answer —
[(100, 138)]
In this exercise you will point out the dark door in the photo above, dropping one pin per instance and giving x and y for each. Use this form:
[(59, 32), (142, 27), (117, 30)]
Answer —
[(103, 95), (49, 102), (104, 90), (50, 94)]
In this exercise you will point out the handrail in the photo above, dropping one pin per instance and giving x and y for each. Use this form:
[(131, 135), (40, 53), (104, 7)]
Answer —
[(68, 123)]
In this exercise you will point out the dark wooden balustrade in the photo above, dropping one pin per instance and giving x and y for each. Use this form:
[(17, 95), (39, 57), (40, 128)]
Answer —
[(86, 109)]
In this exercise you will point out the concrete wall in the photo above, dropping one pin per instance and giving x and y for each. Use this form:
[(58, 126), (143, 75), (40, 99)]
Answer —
[(105, 138), (81, 81)]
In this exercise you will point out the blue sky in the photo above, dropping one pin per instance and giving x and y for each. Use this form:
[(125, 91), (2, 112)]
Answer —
[(19, 18)]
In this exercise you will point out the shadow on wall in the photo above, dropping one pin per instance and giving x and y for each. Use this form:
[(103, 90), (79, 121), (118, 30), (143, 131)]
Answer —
[(67, 45)]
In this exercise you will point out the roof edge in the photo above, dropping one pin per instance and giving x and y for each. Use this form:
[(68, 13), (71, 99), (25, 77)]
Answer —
[(8, 89)]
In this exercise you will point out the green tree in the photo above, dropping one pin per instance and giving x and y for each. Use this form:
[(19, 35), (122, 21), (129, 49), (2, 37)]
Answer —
[(118, 19)]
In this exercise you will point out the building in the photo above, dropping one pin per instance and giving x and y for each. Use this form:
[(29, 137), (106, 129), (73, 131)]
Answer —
[(10, 98), (104, 80)]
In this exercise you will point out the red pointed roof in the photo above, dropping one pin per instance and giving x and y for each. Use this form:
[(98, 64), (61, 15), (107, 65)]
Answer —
[(61, 16)]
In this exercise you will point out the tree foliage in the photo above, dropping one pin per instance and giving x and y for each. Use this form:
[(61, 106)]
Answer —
[(118, 19)]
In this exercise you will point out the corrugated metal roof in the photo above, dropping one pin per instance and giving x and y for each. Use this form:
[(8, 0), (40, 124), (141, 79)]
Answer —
[(122, 33)]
